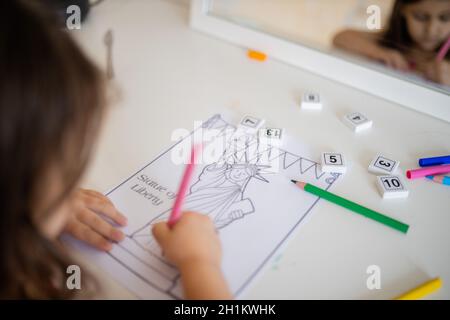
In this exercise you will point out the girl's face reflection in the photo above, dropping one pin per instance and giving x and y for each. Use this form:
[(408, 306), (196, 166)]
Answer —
[(428, 23)]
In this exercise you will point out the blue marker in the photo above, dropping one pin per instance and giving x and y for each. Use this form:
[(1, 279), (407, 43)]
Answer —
[(436, 161)]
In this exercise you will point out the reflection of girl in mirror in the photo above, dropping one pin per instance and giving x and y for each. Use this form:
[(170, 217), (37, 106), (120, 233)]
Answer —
[(414, 35)]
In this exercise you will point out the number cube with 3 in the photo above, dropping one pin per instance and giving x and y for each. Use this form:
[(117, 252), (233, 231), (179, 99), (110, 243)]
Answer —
[(383, 165)]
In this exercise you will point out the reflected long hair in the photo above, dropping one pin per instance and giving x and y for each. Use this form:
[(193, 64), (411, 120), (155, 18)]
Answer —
[(397, 35), (51, 105)]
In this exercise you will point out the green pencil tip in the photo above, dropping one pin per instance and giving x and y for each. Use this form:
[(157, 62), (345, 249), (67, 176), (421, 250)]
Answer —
[(293, 181)]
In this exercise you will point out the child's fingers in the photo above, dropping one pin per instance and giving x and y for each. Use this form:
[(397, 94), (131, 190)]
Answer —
[(101, 204), (441, 71), (86, 234), (91, 192), (192, 215), (96, 223), (430, 71), (401, 62), (397, 62), (161, 232)]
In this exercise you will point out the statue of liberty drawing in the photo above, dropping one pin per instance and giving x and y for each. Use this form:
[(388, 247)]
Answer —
[(219, 192)]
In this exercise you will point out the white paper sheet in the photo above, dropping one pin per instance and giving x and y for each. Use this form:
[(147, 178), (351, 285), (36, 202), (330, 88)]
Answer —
[(247, 192)]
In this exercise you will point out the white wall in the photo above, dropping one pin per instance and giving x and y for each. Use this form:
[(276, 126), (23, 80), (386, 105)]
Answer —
[(181, 2)]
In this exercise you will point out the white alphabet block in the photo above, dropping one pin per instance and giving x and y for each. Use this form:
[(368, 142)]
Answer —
[(311, 101), (272, 133), (333, 162), (357, 122), (391, 187), (251, 124), (383, 165)]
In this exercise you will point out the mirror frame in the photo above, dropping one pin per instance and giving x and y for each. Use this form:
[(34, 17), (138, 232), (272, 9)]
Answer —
[(364, 78)]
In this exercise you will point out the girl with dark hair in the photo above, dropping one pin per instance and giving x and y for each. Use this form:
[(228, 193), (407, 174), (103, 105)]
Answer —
[(51, 106), (416, 31)]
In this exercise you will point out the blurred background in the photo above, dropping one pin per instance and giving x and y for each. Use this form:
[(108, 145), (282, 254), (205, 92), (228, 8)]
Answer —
[(306, 21)]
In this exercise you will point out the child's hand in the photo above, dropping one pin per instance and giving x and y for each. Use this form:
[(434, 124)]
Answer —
[(438, 71), (192, 240), (86, 223), (392, 58), (193, 246)]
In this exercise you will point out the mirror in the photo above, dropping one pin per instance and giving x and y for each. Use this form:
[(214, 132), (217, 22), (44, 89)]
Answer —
[(403, 38)]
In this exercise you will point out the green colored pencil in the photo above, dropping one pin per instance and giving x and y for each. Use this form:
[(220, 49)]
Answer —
[(366, 212)]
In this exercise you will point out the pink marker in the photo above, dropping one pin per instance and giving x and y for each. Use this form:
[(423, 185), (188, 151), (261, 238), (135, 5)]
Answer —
[(175, 215), (443, 52), (429, 171)]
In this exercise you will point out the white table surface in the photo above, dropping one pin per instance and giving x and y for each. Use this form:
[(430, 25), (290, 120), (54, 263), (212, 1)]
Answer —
[(169, 76)]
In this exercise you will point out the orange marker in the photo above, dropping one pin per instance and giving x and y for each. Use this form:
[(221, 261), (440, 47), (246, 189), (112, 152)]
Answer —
[(256, 55)]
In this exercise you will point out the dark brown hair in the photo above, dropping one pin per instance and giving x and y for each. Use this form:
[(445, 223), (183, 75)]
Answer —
[(51, 103), (397, 35)]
